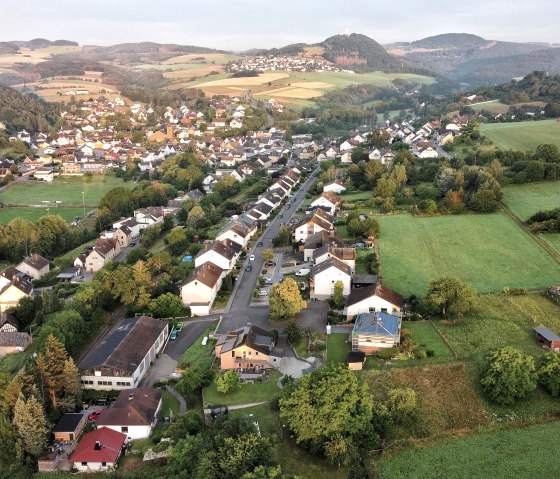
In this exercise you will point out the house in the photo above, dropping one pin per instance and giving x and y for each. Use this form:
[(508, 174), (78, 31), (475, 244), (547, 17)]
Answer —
[(98, 450), (547, 338), (318, 240), (8, 324), (238, 232), (218, 253), (35, 266), (248, 348), (105, 249), (68, 274), (120, 359), (346, 255), (13, 287), (346, 158), (355, 360), (327, 200), (201, 287), (69, 426), (334, 187), (311, 224), (374, 298), (134, 413), (375, 331), (44, 174), (123, 235), (326, 274), (13, 342)]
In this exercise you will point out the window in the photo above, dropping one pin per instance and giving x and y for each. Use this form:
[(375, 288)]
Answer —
[(123, 383), (103, 464), (233, 354), (84, 463), (383, 310), (104, 383), (124, 429), (256, 353)]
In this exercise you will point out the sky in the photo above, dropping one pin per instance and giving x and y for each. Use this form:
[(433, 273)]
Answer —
[(237, 25)]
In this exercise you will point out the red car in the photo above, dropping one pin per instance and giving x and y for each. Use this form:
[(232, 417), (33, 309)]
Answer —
[(92, 416)]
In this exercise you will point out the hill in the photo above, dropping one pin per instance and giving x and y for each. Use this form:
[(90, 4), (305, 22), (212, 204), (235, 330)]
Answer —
[(43, 43), (474, 60), (19, 111)]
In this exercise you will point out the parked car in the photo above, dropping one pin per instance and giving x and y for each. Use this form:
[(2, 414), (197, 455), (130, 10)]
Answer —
[(179, 327), (270, 264), (303, 272), (92, 416), (252, 257), (280, 215), (174, 334), (259, 244), (267, 280), (248, 268), (263, 292)]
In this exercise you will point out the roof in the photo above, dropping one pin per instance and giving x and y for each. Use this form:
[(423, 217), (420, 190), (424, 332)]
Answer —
[(546, 334), (378, 324), (368, 279), (330, 196), (101, 445), (321, 267), (36, 261), (125, 346), (251, 336), (317, 240), (359, 294), (218, 247), (389, 295), (133, 407), (15, 340), (355, 357), (69, 422), (208, 274), (343, 254), (6, 318)]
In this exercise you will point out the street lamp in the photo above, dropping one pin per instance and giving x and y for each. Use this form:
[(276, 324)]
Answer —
[(84, 202)]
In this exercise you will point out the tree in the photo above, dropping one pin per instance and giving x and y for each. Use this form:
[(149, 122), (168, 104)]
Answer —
[(401, 402), (328, 404), (50, 366), (228, 382), (242, 454), (167, 305), (549, 373), (371, 227), (484, 200), (283, 238), (450, 295), (338, 294), (508, 375), (72, 385), (8, 446), (31, 425), (195, 216), (285, 299), (293, 332), (177, 240), (268, 255), (339, 450)]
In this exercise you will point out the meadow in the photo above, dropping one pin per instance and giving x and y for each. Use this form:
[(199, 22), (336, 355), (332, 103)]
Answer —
[(490, 252), (532, 452), (33, 214), (523, 136), (553, 241), (526, 199), (67, 189)]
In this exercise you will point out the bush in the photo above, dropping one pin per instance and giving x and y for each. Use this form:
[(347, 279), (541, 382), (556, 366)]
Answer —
[(420, 353), (386, 354)]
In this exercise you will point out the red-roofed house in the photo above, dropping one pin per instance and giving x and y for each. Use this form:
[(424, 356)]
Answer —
[(98, 450)]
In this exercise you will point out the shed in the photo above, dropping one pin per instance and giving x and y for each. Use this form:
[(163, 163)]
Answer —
[(547, 338), (356, 360), (69, 426)]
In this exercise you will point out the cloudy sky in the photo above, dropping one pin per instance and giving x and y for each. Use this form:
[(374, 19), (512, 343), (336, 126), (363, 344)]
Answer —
[(242, 24)]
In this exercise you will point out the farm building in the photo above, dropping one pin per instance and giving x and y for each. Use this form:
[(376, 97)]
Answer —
[(375, 331), (547, 338)]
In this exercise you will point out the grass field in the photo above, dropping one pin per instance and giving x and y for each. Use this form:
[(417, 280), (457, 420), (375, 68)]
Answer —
[(529, 452), (247, 393), (337, 347), (525, 135), (33, 214), (553, 240), (169, 405), (526, 199), (67, 189), (488, 251), (199, 356), (424, 334), (493, 106)]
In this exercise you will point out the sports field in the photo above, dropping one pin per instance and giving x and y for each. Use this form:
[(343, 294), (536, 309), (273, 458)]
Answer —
[(523, 136), (67, 189), (490, 252), (526, 199), (531, 452), (33, 214)]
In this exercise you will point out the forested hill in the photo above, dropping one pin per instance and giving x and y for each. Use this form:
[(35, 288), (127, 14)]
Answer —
[(19, 111)]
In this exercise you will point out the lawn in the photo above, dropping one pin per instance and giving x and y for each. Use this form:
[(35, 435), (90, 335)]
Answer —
[(66, 189), (525, 200), (337, 347), (362, 260), (247, 393), (424, 334), (169, 405), (490, 252), (199, 356), (525, 135), (356, 196), (33, 214), (503, 454)]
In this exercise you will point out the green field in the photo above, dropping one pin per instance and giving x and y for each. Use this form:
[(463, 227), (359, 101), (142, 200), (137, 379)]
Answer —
[(247, 393), (66, 189), (490, 252), (526, 199), (553, 240), (33, 214), (525, 135), (337, 347), (424, 334), (507, 454)]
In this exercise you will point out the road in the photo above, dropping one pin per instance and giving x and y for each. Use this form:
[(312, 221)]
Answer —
[(238, 311)]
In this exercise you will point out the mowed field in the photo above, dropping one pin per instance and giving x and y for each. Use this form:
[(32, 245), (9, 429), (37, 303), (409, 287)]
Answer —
[(526, 199), (490, 252), (523, 136), (53, 89), (33, 214), (67, 189), (531, 452), (553, 241)]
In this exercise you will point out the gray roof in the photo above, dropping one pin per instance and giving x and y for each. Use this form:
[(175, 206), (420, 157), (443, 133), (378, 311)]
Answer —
[(547, 334), (378, 323), (319, 268)]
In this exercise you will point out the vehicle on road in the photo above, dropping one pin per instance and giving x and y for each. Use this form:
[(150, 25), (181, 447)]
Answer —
[(248, 268), (92, 416), (280, 215), (259, 244), (174, 334), (303, 272), (252, 257)]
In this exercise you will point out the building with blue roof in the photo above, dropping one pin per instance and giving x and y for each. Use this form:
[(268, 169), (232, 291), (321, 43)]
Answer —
[(375, 331)]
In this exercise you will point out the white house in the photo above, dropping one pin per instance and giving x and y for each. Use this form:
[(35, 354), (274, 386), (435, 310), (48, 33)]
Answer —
[(327, 200), (34, 266), (98, 450), (201, 287), (334, 187), (311, 224), (219, 253), (371, 299), (346, 255), (326, 274), (12, 288), (318, 240), (238, 232)]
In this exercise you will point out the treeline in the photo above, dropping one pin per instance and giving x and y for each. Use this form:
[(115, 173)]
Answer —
[(27, 112), (545, 221)]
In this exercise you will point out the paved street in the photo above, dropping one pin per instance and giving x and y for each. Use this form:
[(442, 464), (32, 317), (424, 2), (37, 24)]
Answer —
[(239, 312)]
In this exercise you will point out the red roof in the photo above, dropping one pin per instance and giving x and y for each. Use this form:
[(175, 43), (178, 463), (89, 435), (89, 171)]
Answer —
[(111, 443)]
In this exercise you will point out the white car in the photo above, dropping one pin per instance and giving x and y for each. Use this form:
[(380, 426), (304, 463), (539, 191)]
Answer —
[(252, 257), (263, 292), (267, 280)]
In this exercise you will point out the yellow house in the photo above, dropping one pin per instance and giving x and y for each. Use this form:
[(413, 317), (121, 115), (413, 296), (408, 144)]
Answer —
[(12, 288)]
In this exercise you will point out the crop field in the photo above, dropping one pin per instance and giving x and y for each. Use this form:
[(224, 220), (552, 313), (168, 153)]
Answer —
[(533, 451), (66, 189), (53, 89), (523, 136), (526, 199), (490, 252), (33, 214)]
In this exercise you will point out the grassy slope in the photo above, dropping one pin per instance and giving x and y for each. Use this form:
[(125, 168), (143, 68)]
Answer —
[(199, 356), (488, 251), (525, 200), (526, 135), (509, 454)]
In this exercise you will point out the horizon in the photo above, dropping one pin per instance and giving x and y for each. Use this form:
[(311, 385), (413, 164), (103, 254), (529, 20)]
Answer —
[(246, 24)]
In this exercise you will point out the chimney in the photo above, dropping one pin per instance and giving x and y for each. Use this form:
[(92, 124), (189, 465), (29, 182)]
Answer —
[(97, 446)]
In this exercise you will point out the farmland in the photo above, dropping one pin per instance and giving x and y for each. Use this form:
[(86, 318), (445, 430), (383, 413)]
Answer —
[(502, 454), (523, 136), (488, 251), (553, 241), (65, 189), (525, 200)]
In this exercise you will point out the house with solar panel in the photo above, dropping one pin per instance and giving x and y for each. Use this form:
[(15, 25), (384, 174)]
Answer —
[(375, 331)]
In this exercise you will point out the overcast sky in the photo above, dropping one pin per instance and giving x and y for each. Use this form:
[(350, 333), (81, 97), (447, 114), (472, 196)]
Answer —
[(243, 24)]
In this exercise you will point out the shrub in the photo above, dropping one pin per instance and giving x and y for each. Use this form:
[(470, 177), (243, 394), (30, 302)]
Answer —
[(386, 354), (420, 353)]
